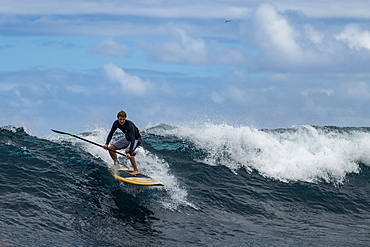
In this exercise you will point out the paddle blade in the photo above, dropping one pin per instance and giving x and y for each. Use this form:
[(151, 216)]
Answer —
[(61, 132)]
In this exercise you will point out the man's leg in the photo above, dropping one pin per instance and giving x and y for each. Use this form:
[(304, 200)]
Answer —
[(113, 155), (132, 157), (133, 163)]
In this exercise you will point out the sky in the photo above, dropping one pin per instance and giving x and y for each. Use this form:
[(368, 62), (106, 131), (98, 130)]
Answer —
[(72, 65)]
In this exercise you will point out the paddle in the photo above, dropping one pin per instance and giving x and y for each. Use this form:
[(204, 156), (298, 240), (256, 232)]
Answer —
[(65, 133)]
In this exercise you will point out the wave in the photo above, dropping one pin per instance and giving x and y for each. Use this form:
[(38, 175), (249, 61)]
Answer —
[(231, 181), (300, 153)]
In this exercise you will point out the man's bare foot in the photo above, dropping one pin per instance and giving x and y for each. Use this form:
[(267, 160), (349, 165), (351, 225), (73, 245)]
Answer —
[(134, 173), (116, 165)]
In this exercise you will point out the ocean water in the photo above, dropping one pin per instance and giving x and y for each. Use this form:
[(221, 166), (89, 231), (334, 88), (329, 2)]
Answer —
[(224, 186)]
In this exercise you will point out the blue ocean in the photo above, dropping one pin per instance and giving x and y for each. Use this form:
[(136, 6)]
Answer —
[(224, 186)]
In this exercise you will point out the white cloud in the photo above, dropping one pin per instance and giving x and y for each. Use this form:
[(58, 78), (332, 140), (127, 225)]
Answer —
[(197, 51), (184, 9), (354, 37), (184, 50), (130, 83), (326, 9), (110, 47), (159, 9), (285, 45), (275, 34), (315, 36)]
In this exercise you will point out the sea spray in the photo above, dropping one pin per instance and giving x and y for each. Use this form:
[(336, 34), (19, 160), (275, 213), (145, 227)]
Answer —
[(300, 153)]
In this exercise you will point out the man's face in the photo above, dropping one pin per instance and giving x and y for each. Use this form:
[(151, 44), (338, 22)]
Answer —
[(121, 120)]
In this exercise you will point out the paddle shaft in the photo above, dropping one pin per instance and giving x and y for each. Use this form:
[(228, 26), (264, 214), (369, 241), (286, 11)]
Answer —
[(97, 144)]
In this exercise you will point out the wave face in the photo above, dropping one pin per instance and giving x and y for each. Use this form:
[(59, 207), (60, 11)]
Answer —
[(224, 185)]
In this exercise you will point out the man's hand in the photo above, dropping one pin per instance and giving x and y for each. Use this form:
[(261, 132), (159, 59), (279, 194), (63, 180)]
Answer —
[(105, 146), (128, 153)]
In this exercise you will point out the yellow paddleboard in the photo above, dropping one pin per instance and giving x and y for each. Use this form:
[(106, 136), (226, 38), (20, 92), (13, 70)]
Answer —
[(123, 174)]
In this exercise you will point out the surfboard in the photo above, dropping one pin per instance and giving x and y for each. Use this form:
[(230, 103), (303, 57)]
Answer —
[(123, 174)]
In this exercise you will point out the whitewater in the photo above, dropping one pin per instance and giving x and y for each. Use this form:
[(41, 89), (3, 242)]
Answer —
[(224, 185)]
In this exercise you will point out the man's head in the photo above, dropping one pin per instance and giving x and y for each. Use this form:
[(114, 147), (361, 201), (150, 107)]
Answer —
[(121, 117), (121, 114)]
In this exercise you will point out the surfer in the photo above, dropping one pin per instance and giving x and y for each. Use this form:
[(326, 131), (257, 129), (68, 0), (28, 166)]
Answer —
[(130, 141)]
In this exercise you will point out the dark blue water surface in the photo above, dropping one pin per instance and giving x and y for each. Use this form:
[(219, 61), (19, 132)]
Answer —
[(224, 186)]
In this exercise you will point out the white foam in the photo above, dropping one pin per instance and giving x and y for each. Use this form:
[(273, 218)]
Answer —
[(159, 169), (301, 153)]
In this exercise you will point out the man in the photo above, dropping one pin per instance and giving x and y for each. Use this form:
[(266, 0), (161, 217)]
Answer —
[(131, 140)]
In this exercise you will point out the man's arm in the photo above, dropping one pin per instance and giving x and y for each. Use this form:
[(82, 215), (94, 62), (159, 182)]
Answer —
[(110, 135)]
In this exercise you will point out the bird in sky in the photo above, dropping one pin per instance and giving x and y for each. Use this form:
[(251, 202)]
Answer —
[(227, 21)]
